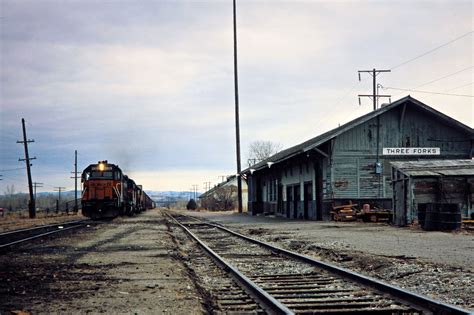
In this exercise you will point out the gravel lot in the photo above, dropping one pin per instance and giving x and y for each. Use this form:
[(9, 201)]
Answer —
[(452, 249), (437, 264), (137, 265), (128, 265)]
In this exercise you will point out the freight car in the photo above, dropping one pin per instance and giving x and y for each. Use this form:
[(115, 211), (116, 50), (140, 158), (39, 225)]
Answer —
[(107, 192)]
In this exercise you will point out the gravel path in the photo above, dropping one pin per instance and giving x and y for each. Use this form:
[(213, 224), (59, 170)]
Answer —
[(454, 249), (128, 265)]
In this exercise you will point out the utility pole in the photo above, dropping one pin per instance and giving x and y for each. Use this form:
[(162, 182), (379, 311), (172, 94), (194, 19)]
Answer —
[(237, 127), (252, 162), (207, 186), (76, 206), (375, 97), (37, 185), (374, 72), (59, 189), (195, 189), (223, 178), (27, 159)]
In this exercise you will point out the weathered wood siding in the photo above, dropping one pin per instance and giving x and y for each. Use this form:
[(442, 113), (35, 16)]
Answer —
[(352, 167)]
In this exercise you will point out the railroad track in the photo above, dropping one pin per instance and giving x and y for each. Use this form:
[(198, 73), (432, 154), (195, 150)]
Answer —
[(285, 282), (15, 237)]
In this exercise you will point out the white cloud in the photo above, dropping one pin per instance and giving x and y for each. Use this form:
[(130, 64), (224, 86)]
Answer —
[(158, 76), (179, 179)]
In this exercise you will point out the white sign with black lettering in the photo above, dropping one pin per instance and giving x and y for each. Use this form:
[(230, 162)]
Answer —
[(411, 151)]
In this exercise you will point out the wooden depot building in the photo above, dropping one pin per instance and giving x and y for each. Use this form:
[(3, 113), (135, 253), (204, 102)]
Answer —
[(352, 162)]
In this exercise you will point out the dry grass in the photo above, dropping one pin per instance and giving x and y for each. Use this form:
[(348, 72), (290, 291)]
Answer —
[(20, 219)]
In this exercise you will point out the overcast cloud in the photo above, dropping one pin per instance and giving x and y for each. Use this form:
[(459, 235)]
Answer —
[(149, 84)]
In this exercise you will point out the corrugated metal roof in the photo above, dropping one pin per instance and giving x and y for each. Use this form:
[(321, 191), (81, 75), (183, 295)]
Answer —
[(461, 172), (436, 168), (319, 140)]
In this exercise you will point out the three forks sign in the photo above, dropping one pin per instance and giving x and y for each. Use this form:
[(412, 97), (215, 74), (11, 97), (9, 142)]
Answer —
[(411, 151)]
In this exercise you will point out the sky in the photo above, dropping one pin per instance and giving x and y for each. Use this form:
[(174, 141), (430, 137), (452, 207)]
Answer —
[(148, 85)]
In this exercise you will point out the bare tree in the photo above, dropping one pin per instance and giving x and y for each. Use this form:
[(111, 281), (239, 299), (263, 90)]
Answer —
[(223, 198), (260, 150), (10, 193), (10, 190)]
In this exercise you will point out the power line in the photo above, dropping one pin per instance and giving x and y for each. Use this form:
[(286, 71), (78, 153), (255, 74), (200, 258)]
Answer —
[(444, 77), (432, 50), (458, 87), (15, 179), (428, 92), (13, 169)]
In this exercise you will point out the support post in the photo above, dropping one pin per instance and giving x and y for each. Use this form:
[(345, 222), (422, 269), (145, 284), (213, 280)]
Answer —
[(31, 203)]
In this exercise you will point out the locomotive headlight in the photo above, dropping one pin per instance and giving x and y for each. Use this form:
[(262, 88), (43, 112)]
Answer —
[(101, 167)]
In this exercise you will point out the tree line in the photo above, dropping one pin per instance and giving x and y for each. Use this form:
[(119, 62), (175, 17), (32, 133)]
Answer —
[(12, 200)]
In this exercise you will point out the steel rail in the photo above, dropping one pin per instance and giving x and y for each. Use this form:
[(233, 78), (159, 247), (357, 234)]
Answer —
[(39, 235), (266, 301), (41, 227), (417, 300)]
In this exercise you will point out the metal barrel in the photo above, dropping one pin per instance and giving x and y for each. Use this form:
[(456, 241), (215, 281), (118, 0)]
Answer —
[(421, 214), (449, 217), (431, 217), (442, 217)]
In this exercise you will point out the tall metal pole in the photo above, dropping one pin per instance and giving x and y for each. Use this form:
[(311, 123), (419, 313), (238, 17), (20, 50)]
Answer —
[(31, 203), (237, 128)]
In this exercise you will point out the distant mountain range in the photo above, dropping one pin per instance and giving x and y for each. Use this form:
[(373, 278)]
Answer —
[(167, 195), (156, 195)]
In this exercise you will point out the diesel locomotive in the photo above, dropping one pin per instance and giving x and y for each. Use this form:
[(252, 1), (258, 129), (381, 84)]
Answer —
[(107, 192)]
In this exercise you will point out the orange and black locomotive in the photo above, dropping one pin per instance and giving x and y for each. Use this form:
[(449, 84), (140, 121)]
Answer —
[(107, 192)]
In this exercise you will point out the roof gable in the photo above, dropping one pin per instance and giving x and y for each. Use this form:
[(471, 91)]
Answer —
[(319, 140)]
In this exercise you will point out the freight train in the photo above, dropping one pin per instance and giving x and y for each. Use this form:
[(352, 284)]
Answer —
[(107, 192)]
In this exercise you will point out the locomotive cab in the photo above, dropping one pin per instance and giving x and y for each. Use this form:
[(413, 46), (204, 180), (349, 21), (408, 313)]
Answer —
[(102, 195)]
